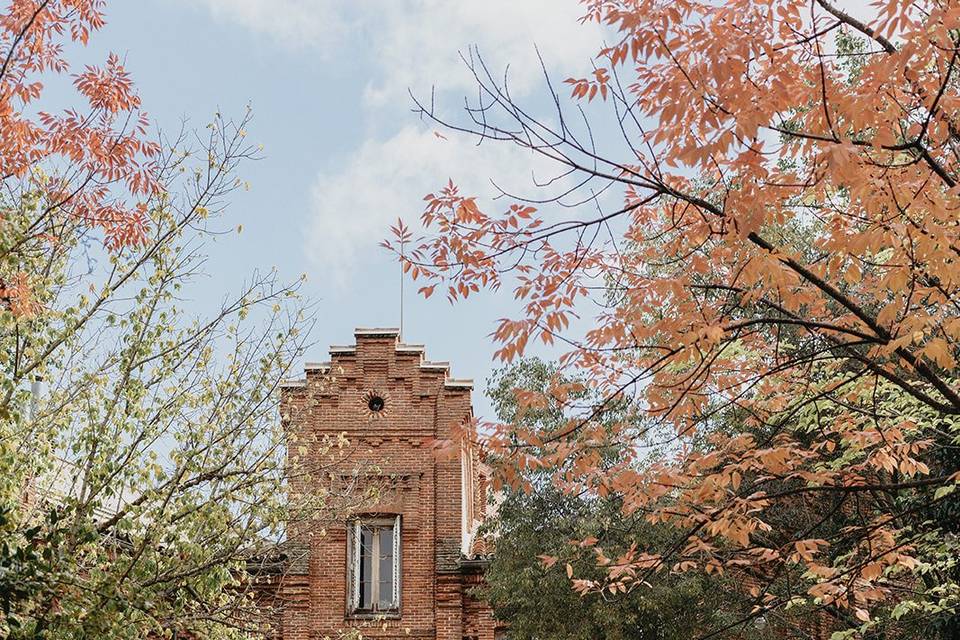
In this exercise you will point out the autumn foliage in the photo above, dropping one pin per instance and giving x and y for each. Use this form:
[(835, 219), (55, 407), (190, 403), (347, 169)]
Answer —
[(90, 167), (775, 285)]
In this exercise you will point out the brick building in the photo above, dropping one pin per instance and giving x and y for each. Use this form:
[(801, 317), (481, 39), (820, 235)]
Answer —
[(402, 566)]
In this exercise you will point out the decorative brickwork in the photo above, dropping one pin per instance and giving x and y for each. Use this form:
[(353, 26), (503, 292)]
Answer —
[(393, 406)]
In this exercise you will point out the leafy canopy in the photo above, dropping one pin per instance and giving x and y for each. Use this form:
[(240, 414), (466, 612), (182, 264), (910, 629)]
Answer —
[(143, 468), (772, 231), (543, 533)]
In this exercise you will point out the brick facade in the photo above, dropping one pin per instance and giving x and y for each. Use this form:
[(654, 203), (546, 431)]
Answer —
[(439, 498)]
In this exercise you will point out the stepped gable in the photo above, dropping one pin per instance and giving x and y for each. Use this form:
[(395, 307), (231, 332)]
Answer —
[(421, 400)]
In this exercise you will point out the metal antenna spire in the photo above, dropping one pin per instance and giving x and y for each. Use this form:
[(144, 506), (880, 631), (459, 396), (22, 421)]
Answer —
[(402, 242), (402, 233)]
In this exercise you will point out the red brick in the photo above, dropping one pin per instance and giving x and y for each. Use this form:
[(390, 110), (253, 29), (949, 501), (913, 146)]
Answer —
[(423, 406)]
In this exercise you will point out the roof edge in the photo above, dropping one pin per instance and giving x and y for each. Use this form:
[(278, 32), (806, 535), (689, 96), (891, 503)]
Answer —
[(376, 332), (342, 348)]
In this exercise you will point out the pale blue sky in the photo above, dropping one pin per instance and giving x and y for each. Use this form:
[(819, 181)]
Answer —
[(344, 155)]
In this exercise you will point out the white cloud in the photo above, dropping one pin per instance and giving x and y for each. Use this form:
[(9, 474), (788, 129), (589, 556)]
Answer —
[(423, 40), (414, 44), (354, 205), (417, 45), (317, 24)]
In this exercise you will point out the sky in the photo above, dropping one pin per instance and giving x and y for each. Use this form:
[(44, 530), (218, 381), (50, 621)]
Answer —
[(343, 154)]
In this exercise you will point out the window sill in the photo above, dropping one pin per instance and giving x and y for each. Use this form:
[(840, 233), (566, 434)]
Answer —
[(373, 615)]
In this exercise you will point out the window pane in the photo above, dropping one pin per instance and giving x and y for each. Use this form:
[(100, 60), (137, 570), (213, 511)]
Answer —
[(386, 568), (366, 568)]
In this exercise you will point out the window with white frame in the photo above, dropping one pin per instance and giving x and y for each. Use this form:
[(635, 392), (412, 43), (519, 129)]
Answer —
[(373, 555)]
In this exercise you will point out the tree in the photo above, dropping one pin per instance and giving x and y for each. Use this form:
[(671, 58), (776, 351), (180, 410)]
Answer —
[(143, 466), (540, 532), (775, 234)]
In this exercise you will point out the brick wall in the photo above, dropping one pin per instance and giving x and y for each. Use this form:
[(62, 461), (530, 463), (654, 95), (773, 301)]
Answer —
[(394, 449)]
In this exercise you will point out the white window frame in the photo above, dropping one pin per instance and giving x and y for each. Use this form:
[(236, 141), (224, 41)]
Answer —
[(353, 567)]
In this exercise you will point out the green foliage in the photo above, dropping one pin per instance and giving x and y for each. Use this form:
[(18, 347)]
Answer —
[(929, 513), (539, 601), (150, 471), (538, 535)]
